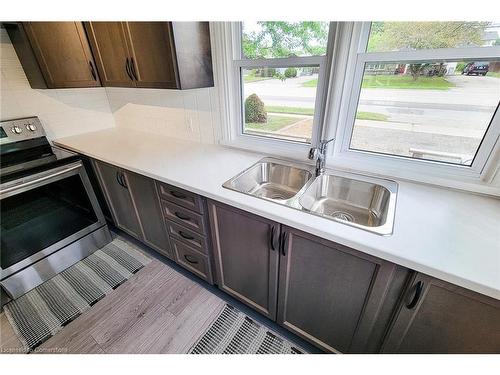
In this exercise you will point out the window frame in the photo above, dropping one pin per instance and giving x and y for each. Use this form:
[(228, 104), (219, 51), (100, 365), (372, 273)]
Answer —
[(350, 60), (229, 43)]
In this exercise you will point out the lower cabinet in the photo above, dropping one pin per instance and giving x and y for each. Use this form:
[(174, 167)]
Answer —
[(339, 299), (246, 256), (134, 205), (437, 317), (145, 198), (335, 296)]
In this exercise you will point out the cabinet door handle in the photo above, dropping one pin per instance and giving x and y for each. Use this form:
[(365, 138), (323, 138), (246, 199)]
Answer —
[(132, 68), (177, 195), (127, 69), (186, 236), (417, 292), (284, 238), (124, 181), (182, 217), (118, 178), (271, 238), (92, 70), (186, 256)]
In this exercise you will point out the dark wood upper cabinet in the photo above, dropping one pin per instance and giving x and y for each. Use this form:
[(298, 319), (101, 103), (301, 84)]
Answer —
[(152, 54), (175, 55), (54, 54), (435, 317), (109, 43)]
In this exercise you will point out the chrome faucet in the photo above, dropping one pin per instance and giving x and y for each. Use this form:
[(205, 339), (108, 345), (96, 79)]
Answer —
[(319, 153)]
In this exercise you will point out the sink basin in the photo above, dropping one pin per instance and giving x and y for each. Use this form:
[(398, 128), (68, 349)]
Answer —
[(365, 203), (271, 179)]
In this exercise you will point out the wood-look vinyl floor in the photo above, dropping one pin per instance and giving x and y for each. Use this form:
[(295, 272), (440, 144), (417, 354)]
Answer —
[(157, 310)]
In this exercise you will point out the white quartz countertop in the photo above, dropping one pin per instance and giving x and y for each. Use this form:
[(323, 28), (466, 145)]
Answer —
[(451, 235)]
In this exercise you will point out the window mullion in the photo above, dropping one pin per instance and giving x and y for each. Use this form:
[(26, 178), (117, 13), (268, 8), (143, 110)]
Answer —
[(281, 62), (433, 55)]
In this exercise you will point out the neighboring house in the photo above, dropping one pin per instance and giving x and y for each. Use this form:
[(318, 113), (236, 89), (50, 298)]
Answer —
[(489, 38)]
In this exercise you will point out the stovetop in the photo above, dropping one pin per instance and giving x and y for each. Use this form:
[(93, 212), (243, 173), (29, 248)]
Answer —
[(24, 149)]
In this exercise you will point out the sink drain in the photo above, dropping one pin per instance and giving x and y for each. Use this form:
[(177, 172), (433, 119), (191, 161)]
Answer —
[(343, 216)]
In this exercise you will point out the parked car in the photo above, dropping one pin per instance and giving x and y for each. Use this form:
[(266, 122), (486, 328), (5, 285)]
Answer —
[(477, 68)]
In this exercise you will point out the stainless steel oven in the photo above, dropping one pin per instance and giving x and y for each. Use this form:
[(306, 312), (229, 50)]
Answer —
[(50, 219)]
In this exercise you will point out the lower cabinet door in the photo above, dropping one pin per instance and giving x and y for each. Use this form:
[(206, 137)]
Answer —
[(147, 204), (333, 296), (116, 190), (246, 257), (437, 317)]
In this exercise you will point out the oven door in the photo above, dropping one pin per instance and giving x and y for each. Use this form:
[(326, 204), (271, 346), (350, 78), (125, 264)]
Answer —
[(44, 212)]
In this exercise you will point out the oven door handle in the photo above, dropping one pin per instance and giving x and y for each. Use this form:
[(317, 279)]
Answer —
[(38, 180)]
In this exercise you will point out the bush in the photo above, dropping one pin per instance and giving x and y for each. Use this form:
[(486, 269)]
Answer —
[(460, 67), (265, 72), (290, 73), (254, 110)]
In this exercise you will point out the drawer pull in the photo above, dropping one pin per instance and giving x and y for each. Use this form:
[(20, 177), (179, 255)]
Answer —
[(182, 217), (189, 258), (186, 236), (177, 195)]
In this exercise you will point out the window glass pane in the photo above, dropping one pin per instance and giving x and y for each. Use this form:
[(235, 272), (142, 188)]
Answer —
[(426, 110), (284, 39), (407, 36), (279, 102)]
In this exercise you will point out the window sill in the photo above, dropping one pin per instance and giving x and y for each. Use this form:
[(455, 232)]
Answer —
[(269, 147), (397, 169)]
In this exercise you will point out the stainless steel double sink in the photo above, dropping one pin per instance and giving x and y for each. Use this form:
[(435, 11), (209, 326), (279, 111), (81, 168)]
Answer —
[(360, 201)]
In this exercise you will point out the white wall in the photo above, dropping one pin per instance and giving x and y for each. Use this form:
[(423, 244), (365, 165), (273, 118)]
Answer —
[(188, 114), (63, 112)]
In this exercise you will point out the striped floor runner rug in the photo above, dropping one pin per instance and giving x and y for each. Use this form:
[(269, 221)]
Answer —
[(42, 312), (235, 333)]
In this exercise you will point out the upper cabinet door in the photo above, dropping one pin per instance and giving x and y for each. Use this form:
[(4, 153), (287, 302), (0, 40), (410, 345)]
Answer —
[(436, 317), (109, 43), (63, 53), (245, 257), (152, 54), (333, 296)]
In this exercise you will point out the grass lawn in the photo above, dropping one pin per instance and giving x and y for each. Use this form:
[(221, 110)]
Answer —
[(290, 110), (405, 82), (247, 78), (311, 83), (371, 116), (274, 123), (493, 74), (310, 112)]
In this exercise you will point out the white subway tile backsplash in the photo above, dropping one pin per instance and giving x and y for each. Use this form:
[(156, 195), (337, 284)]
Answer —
[(173, 113)]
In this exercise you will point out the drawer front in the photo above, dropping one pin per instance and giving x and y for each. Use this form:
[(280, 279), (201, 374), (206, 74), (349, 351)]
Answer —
[(183, 216), (181, 197), (192, 260), (187, 236)]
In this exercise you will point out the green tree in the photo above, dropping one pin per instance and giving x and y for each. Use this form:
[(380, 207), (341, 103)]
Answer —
[(284, 39), (389, 36)]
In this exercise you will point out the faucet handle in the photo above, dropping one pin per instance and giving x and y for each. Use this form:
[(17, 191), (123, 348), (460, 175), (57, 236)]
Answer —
[(313, 151), (324, 143)]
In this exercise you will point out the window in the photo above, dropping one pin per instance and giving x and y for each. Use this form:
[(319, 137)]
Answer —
[(278, 66), (425, 90)]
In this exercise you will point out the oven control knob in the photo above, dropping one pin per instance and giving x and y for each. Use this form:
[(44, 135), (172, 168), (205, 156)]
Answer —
[(16, 129), (31, 127)]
